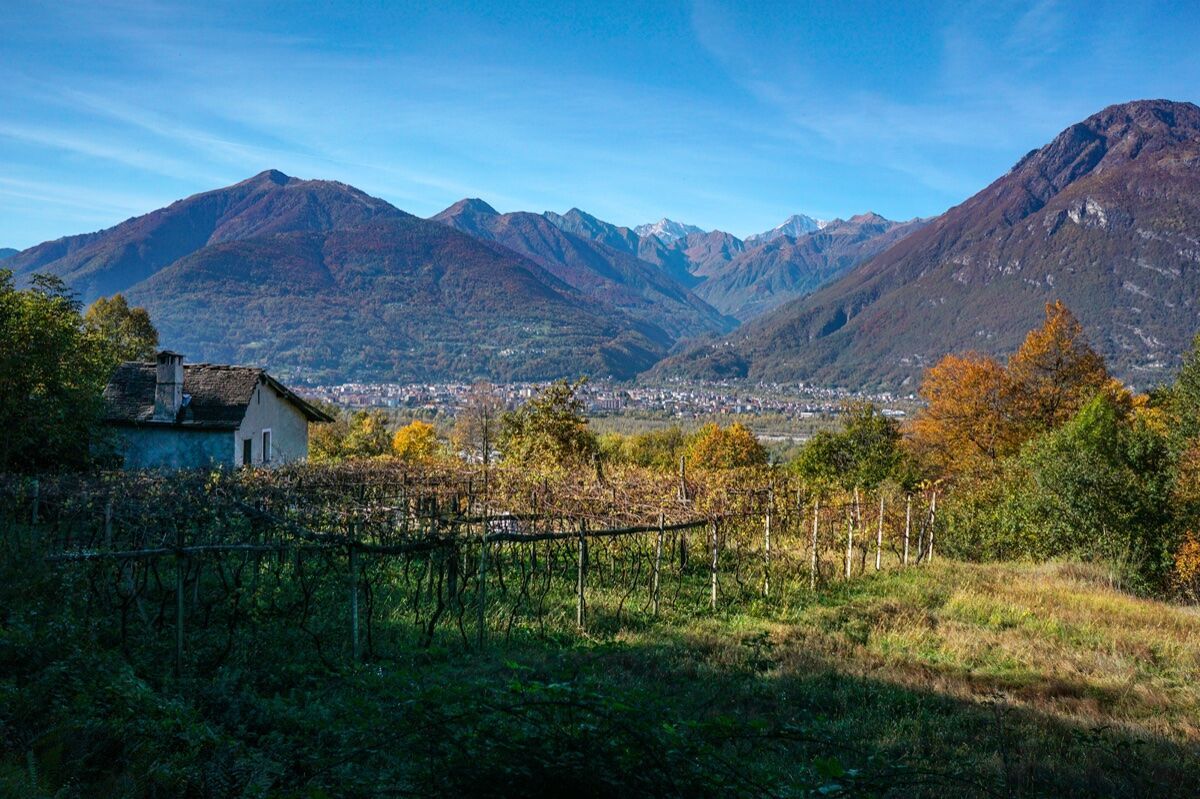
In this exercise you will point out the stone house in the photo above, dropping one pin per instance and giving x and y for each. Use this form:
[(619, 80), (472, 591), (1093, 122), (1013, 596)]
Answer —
[(165, 415)]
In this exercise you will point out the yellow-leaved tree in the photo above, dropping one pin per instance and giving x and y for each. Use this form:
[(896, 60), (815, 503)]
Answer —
[(416, 441), (714, 447)]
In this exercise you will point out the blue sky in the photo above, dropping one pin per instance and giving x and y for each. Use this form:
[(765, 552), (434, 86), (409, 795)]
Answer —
[(725, 115)]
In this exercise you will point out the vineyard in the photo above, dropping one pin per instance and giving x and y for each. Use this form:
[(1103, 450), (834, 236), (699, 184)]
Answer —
[(194, 565), (372, 628)]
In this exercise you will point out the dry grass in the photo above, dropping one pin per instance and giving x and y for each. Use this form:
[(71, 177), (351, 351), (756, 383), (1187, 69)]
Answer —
[(1053, 638)]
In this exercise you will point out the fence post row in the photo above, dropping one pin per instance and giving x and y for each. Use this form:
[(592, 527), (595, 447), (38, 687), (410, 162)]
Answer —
[(182, 552)]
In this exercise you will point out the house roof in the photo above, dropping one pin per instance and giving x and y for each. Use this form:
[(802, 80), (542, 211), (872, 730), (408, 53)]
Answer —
[(215, 396)]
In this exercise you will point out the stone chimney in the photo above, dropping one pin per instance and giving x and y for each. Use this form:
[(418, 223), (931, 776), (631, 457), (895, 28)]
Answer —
[(168, 386)]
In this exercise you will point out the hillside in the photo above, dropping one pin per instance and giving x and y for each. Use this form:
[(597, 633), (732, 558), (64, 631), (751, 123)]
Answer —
[(316, 278), (7, 252), (610, 276), (396, 299), (1105, 217), (111, 260)]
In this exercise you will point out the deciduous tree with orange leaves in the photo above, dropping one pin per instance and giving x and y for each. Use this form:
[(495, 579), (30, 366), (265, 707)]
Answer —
[(1053, 374), (979, 411)]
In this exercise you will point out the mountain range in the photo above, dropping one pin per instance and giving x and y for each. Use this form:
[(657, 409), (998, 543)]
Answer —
[(5, 252), (1106, 217), (320, 280), (745, 278)]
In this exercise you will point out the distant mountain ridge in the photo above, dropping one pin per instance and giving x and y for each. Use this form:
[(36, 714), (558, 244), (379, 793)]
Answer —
[(317, 278), (612, 276), (7, 252), (767, 273), (742, 279), (101, 263), (1105, 217)]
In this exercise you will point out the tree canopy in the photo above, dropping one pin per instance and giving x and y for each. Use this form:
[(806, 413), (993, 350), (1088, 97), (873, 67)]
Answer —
[(716, 447), (549, 429), (978, 411), (863, 453), (53, 369), (416, 441), (130, 333)]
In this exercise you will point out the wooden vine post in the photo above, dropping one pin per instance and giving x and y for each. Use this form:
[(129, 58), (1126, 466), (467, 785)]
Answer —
[(850, 535), (658, 548), (816, 522), (179, 602), (354, 640), (767, 544), (713, 567), (907, 524), (581, 578), (480, 610), (932, 519), (35, 500), (108, 516), (879, 536)]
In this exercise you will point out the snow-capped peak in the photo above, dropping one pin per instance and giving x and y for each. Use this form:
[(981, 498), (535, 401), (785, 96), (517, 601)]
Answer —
[(795, 225), (667, 230)]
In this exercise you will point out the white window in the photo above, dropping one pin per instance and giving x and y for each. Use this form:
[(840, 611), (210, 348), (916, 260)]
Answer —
[(266, 449)]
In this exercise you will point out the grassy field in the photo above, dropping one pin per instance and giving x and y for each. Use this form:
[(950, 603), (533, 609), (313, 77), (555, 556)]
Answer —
[(1007, 680), (984, 680)]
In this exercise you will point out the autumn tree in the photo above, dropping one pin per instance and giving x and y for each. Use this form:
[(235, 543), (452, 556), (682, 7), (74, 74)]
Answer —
[(477, 423), (416, 441), (130, 334), (965, 419), (978, 411), (1053, 374), (549, 429), (362, 434), (714, 447)]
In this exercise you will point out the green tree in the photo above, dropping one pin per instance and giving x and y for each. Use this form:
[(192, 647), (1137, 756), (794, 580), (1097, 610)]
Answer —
[(865, 452), (53, 370), (1098, 488), (549, 429), (130, 334), (1182, 399)]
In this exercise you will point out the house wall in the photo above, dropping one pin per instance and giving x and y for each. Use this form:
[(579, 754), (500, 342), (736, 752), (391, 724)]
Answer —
[(288, 426), (173, 447)]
